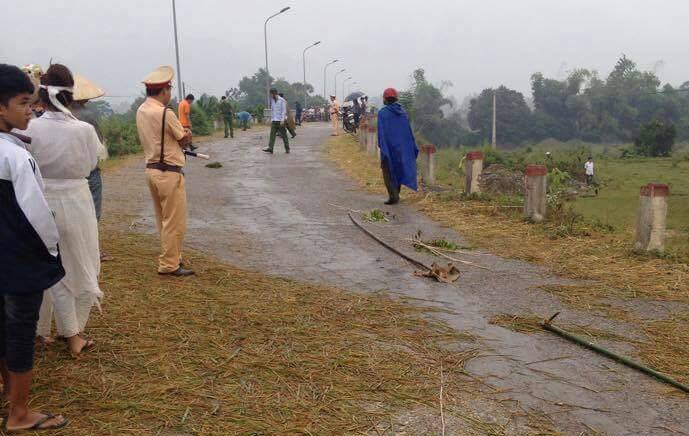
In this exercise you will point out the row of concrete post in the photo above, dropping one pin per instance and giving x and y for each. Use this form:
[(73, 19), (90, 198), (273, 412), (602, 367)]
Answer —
[(652, 215)]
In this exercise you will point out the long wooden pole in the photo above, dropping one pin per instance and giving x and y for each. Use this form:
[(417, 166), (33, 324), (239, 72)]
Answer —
[(623, 360)]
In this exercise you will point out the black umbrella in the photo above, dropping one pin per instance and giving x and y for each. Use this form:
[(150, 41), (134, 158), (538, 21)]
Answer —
[(354, 95)]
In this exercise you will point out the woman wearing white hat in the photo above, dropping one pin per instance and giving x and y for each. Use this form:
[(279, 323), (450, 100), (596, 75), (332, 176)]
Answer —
[(66, 151)]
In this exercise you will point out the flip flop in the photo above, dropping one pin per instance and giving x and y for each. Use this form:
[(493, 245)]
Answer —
[(88, 346), (37, 425)]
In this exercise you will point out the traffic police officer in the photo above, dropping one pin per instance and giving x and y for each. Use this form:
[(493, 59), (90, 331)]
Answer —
[(163, 140)]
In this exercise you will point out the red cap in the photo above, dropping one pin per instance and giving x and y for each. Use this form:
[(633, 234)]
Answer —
[(390, 93)]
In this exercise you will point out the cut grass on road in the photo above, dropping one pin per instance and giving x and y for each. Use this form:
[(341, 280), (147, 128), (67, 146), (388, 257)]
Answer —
[(235, 352), (649, 292)]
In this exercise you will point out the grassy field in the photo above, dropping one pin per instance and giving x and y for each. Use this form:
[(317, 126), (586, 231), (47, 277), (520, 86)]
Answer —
[(618, 197), (614, 282), (620, 180)]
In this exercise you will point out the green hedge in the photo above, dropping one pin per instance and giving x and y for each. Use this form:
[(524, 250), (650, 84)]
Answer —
[(121, 137)]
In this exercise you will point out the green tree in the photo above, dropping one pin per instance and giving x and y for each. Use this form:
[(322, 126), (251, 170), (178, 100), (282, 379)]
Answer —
[(513, 116), (254, 90), (655, 139)]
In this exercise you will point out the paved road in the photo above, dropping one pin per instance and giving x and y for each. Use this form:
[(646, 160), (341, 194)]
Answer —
[(279, 214)]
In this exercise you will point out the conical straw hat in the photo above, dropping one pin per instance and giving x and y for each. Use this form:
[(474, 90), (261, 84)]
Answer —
[(84, 89)]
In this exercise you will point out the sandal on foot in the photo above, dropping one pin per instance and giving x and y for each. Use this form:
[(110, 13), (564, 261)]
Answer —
[(38, 425), (89, 345)]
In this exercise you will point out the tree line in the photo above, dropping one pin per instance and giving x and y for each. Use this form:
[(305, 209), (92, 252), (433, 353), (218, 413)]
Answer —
[(583, 106)]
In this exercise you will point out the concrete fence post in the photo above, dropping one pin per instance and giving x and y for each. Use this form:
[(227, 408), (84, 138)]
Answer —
[(652, 218), (372, 142), (473, 167), (535, 192), (428, 152)]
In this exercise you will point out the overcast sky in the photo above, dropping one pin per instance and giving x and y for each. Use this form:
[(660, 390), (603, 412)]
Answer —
[(474, 44)]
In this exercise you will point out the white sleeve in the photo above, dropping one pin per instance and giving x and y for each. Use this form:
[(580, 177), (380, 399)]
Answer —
[(28, 188)]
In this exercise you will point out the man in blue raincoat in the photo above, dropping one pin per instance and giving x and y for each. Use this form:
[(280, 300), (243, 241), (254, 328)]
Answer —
[(398, 150)]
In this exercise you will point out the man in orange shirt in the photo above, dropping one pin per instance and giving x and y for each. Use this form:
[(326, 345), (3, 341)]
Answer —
[(184, 111)]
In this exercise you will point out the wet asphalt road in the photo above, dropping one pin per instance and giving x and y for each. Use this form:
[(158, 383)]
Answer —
[(283, 215)]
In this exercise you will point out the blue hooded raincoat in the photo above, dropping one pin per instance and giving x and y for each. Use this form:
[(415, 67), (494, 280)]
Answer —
[(397, 145)]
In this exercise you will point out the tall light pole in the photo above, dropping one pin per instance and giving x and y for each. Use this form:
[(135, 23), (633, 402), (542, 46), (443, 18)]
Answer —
[(265, 37), (343, 87), (179, 72), (495, 128), (304, 59), (337, 74), (325, 77)]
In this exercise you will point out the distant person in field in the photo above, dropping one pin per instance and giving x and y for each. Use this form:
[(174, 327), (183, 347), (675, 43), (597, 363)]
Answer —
[(398, 150), (588, 167)]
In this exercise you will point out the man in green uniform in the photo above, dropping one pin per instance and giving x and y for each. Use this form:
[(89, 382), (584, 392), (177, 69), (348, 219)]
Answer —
[(227, 115)]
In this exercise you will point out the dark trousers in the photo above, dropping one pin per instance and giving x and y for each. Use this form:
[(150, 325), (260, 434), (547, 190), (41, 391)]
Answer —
[(274, 129), (245, 124), (392, 186), (229, 128), (18, 319), (589, 180), (96, 187)]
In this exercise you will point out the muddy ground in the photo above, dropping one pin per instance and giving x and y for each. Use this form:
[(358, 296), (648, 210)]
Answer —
[(285, 215)]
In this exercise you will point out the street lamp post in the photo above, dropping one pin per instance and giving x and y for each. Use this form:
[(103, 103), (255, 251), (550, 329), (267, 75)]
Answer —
[(343, 87), (325, 77), (304, 59), (335, 87), (265, 37), (179, 72)]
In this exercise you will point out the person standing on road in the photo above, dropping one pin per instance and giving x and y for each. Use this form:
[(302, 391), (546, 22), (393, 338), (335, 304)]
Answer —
[(588, 168), (84, 91), (278, 108), (227, 116), (334, 112), (66, 150), (299, 112), (398, 150), (29, 258), (244, 117), (291, 124), (163, 139), (184, 110)]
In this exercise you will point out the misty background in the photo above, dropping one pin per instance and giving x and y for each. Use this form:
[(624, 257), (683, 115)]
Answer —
[(474, 45)]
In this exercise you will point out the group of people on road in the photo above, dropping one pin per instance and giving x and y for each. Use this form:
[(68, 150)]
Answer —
[(51, 193)]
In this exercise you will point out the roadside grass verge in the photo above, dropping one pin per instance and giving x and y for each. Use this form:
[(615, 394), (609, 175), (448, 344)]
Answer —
[(651, 292), (235, 352)]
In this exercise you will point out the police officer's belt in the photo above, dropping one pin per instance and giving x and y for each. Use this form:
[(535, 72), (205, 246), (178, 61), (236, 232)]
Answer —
[(161, 165)]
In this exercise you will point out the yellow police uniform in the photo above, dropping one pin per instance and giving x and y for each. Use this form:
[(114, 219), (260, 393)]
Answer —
[(161, 134)]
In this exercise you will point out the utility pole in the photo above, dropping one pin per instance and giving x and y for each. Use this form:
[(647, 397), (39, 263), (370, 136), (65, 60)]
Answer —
[(179, 71), (495, 141)]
